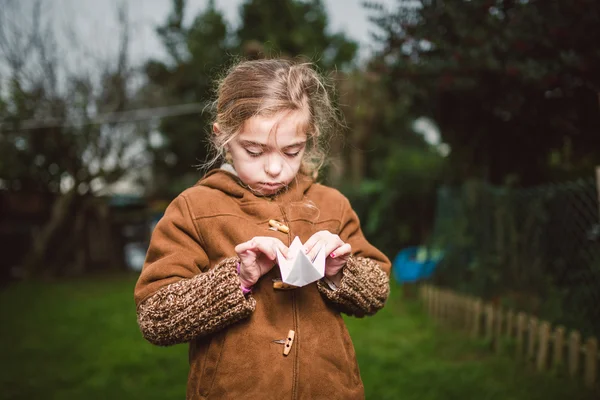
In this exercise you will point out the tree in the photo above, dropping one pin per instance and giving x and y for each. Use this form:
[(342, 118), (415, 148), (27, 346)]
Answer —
[(294, 28), (50, 144), (511, 83), (197, 55), (201, 52)]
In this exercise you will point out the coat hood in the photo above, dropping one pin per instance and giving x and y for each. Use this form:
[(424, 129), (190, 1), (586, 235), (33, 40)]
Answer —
[(226, 181)]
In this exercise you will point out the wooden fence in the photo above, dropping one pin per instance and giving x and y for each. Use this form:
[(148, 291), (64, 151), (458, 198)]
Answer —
[(536, 342)]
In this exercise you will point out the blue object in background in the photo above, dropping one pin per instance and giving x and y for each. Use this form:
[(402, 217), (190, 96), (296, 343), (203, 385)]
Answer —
[(135, 254), (415, 263)]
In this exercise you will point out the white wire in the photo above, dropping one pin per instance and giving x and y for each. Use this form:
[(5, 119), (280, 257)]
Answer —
[(114, 117)]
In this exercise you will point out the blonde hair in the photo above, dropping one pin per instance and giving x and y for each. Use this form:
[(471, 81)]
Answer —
[(270, 86)]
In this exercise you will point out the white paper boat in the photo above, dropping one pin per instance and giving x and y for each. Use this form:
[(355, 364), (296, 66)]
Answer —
[(298, 269)]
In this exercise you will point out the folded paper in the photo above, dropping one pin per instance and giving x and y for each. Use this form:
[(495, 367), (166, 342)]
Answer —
[(297, 269)]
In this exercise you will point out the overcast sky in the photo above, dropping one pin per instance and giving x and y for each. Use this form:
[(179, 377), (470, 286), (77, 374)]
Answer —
[(96, 22)]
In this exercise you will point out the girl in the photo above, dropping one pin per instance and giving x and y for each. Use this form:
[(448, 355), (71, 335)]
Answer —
[(209, 276)]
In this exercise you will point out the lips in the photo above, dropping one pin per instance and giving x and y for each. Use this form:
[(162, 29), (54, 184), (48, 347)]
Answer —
[(271, 185)]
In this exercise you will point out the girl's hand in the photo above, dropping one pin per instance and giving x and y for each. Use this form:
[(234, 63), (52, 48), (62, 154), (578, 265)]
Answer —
[(338, 252), (257, 257)]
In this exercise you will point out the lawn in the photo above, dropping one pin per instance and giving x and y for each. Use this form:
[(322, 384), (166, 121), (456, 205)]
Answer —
[(78, 339)]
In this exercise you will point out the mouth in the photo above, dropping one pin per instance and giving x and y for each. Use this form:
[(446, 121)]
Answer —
[(267, 187), (270, 185)]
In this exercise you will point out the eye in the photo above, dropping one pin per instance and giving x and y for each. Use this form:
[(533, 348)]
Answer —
[(253, 153), (292, 155)]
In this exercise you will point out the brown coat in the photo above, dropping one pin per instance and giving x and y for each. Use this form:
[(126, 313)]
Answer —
[(189, 291)]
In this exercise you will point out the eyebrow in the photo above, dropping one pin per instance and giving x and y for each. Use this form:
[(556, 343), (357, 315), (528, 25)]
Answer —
[(263, 145)]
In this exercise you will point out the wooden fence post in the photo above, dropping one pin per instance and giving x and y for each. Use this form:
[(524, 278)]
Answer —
[(449, 308), (510, 316), (542, 357), (476, 318), (559, 346), (520, 334), (431, 304), (460, 304), (531, 341), (426, 299), (489, 322), (467, 310), (574, 350), (498, 330), (432, 295), (443, 306), (456, 310), (591, 359), (434, 303)]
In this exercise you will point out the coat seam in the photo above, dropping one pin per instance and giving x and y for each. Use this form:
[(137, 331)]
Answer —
[(194, 219), (212, 382), (296, 352)]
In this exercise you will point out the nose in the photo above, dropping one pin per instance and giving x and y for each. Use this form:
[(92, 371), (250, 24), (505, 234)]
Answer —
[(273, 165)]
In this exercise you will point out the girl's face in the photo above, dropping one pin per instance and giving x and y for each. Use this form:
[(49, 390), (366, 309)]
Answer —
[(267, 152)]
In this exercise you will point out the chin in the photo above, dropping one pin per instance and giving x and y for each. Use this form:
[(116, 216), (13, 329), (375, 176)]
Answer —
[(265, 190)]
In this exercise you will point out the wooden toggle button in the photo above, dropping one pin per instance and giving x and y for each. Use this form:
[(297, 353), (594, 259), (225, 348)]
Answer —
[(276, 225), (279, 285), (288, 343)]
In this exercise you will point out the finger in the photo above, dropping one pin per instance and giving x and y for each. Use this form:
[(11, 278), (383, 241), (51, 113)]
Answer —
[(319, 246), (278, 245), (312, 241), (267, 247), (242, 247), (342, 251), (283, 249), (329, 243), (331, 246)]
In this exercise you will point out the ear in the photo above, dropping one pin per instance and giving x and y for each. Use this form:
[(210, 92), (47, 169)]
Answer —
[(216, 129)]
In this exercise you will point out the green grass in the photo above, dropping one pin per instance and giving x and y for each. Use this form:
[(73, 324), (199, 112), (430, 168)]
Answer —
[(79, 340), (403, 355)]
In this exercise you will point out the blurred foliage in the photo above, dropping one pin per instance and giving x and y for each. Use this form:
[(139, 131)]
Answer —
[(379, 160), (511, 85), (196, 52), (46, 106), (504, 77), (50, 148), (530, 250), (201, 52), (294, 28), (396, 207)]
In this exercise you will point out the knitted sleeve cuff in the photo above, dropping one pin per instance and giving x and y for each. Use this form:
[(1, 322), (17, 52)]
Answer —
[(363, 290), (195, 307)]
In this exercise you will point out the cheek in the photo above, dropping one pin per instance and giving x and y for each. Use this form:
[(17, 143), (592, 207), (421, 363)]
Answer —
[(293, 164), (250, 168)]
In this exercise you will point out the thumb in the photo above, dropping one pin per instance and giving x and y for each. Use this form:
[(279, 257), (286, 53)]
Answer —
[(247, 257)]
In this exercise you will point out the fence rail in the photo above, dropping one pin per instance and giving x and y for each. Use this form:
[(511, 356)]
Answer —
[(536, 342)]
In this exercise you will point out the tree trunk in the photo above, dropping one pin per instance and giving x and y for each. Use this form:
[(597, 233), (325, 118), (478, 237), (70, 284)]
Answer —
[(41, 240)]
